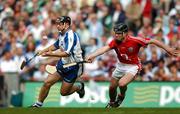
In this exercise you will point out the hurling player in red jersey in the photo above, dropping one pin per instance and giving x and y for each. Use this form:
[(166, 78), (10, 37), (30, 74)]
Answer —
[(127, 48)]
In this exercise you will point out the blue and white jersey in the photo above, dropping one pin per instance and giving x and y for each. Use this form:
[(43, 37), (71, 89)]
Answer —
[(69, 43)]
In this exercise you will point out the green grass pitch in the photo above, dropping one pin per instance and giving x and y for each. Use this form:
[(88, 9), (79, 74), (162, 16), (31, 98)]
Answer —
[(89, 111)]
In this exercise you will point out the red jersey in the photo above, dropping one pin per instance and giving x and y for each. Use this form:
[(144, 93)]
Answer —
[(127, 50)]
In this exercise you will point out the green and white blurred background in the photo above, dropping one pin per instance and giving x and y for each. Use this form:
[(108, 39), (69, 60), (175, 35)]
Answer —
[(29, 25)]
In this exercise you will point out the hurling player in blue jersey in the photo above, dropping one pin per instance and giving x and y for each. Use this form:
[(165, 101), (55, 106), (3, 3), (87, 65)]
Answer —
[(70, 51)]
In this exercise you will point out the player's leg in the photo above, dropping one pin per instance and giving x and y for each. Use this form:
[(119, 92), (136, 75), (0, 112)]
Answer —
[(116, 75), (70, 85), (112, 92), (49, 81), (123, 82), (121, 96), (131, 71), (123, 90), (69, 88), (113, 89)]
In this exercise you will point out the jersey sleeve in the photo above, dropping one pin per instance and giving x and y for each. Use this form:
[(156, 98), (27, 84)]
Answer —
[(142, 41), (56, 44), (112, 44), (145, 41)]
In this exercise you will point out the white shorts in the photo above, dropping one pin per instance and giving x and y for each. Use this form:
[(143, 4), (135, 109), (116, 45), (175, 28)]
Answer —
[(122, 69)]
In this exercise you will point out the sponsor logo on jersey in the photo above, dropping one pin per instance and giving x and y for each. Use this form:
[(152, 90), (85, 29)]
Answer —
[(130, 49)]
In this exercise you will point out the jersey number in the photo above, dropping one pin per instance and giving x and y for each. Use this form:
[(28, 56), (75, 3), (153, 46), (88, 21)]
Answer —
[(125, 56)]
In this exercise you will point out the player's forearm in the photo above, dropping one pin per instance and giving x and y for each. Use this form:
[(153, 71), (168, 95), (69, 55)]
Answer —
[(50, 48), (100, 51), (160, 44), (57, 54)]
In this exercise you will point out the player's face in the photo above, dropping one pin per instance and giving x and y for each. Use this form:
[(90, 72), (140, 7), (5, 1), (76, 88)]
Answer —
[(119, 36), (60, 26)]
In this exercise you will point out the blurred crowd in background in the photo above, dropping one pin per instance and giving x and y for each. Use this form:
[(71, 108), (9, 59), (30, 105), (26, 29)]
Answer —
[(29, 25)]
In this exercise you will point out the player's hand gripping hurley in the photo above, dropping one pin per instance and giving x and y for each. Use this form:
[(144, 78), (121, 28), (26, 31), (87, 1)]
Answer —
[(73, 63), (24, 63)]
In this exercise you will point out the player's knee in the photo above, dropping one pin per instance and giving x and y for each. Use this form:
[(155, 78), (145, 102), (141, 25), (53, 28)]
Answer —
[(47, 84), (122, 84), (63, 93)]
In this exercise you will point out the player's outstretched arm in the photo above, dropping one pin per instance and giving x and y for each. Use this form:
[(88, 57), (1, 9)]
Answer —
[(50, 48), (55, 54), (169, 50), (98, 52)]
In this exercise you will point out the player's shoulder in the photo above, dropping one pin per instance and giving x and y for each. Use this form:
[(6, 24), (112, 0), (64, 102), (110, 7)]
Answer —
[(70, 32), (137, 38), (112, 41)]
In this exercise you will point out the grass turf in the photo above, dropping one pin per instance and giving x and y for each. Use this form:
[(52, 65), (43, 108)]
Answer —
[(89, 111)]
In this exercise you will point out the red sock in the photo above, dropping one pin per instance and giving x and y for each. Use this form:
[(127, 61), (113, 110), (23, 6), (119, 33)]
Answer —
[(112, 94), (121, 95)]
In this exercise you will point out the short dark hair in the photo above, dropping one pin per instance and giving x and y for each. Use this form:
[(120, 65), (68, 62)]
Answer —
[(64, 19), (120, 28)]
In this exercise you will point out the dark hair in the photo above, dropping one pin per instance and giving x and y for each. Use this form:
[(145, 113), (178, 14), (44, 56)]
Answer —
[(120, 28), (172, 64), (64, 19), (161, 60)]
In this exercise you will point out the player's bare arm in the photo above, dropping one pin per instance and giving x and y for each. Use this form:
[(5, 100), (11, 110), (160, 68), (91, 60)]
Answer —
[(55, 54), (48, 49), (169, 50), (98, 52)]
